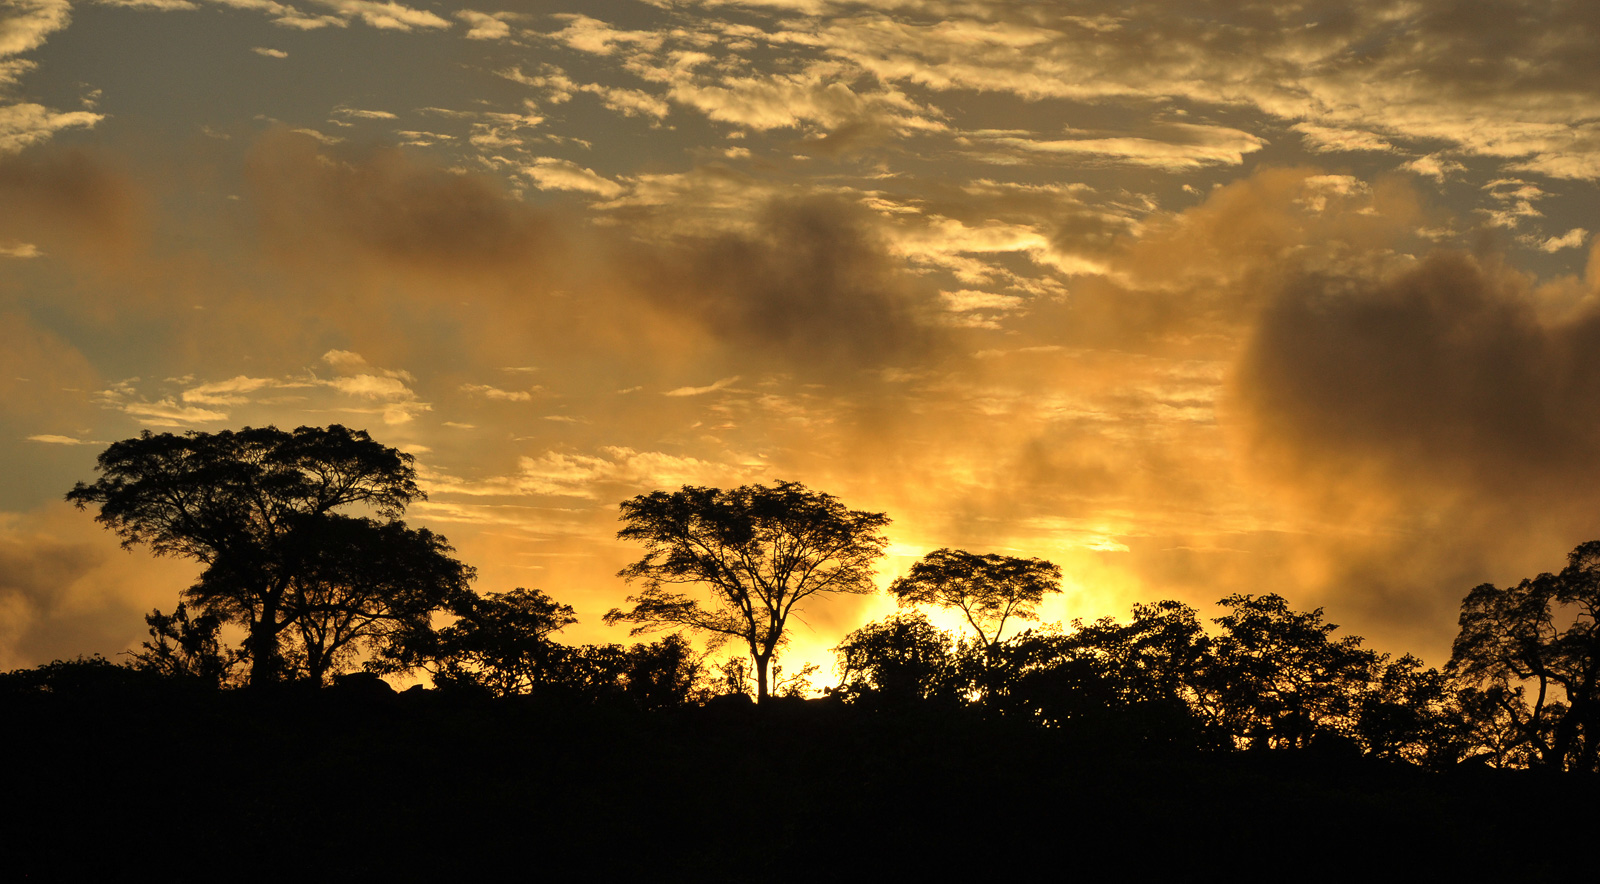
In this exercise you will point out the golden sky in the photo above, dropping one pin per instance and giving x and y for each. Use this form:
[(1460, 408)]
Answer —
[(1189, 298)]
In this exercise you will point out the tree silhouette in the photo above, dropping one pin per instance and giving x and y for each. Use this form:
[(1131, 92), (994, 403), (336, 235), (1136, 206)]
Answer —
[(1277, 679), (501, 643), (760, 550), (181, 646), (257, 507), (896, 661), (1539, 635), (987, 589)]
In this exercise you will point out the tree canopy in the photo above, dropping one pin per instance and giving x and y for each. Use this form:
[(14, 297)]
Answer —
[(1538, 637), (759, 550), (259, 508), (987, 589)]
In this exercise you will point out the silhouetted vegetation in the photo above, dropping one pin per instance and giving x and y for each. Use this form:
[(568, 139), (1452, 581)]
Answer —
[(760, 550), (312, 587), (1238, 737)]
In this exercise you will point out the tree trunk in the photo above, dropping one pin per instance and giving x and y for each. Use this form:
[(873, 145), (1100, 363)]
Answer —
[(762, 663), (263, 641)]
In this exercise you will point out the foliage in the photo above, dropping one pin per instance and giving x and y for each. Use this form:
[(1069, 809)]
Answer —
[(897, 661), (1536, 638), (258, 508), (760, 550), (1278, 680), (500, 643), (1412, 714), (987, 589), (186, 648), (736, 677)]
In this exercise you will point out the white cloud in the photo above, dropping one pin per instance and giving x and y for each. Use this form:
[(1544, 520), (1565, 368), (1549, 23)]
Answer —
[(62, 440), (159, 5), (700, 391), (1323, 139), (229, 392), (20, 250), (1435, 166), (590, 35), (1187, 147), (25, 124), (556, 174), (25, 24), (167, 413), (967, 299), (1572, 239), (269, 53), (560, 474), (360, 114), (489, 392), (344, 360), (483, 26), (387, 16)]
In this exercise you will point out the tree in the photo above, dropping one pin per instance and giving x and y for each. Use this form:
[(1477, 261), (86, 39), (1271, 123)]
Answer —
[(1538, 635), (760, 550), (187, 647), (1278, 680), (359, 586), (987, 589), (257, 508), (501, 643), (897, 661)]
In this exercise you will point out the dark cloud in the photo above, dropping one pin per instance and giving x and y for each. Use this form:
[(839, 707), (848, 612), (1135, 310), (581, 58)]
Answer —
[(1441, 377), (316, 204), (70, 199), (811, 284)]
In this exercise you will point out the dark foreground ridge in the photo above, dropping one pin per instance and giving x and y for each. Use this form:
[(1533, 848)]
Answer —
[(359, 782)]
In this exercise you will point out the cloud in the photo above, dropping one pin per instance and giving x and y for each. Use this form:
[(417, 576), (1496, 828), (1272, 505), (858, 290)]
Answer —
[(379, 208), (229, 392), (1440, 380), (1572, 239), (484, 26), (345, 360), (51, 439), (167, 413), (66, 590), (21, 250), (1187, 146), (790, 100), (591, 35), (157, 5), (614, 470), (812, 285), (386, 16), (357, 113), (1323, 139), (489, 392), (269, 53), (701, 391), (24, 124), (26, 24), (551, 173)]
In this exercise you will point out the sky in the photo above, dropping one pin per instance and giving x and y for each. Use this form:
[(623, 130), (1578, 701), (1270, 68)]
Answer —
[(1190, 298)]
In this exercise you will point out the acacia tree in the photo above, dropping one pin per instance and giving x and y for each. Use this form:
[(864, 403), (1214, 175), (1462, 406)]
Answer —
[(760, 550), (360, 586), (256, 507), (1541, 636), (987, 589)]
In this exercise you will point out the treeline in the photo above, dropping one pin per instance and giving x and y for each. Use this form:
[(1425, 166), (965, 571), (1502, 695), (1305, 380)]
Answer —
[(318, 595)]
